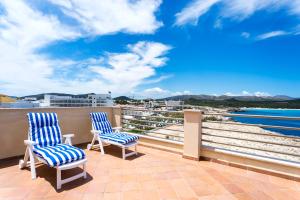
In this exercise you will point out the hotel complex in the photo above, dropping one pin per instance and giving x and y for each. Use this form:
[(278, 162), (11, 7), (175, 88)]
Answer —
[(89, 100), (92, 100)]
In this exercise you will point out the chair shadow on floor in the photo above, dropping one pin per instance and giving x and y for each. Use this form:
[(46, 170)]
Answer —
[(49, 174), (117, 152), (9, 162)]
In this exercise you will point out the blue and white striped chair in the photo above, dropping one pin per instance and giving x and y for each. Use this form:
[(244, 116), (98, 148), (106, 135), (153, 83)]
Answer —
[(45, 144), (105, 134)]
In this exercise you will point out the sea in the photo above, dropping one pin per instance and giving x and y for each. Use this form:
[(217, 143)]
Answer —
[(274, 122)]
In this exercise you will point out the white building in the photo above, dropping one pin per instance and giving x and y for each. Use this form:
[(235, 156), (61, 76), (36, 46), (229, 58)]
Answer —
[(173, 105), (92, 100), (152, 104), (129, 112), (29, 99)]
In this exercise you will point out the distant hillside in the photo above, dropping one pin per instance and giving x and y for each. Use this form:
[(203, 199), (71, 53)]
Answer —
[(122, 98), (41, 96), (6, 99), (279, 101), (284, 97), (234, 103), (225, 97)]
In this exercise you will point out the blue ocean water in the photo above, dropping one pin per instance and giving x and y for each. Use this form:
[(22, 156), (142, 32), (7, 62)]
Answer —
[(274, 122)]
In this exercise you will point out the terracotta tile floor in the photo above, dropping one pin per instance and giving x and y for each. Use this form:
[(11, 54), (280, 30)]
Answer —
[(154, 174)]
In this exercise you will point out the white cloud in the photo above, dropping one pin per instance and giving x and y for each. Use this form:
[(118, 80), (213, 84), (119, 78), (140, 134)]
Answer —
[(261, 94), (218, 24), (246, 93), (21, 34), (155, 90), (24, 30), (157, 80), (29, 29), (240, 9), (193, 11), (110, 16), (245, 35), (297, 30), (295, 7), (130, 69), (186, 92), (271, 35), (230, 94), (234, 9), (158, 92)]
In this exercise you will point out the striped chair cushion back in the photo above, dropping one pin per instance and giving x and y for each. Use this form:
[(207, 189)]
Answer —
[(101, 123), (44, 129)]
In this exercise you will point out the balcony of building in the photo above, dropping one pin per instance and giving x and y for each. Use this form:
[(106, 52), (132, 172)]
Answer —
[(180, 157)]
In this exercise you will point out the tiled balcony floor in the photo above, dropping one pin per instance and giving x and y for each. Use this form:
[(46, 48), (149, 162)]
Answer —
[(153, 175)]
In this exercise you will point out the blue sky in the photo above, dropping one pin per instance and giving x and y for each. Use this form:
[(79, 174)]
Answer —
[(150, 48)]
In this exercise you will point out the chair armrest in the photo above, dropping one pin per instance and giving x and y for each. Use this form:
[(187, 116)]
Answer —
[(29, 143), (96, 132), (68, 138), (68, 135), (117, 129)]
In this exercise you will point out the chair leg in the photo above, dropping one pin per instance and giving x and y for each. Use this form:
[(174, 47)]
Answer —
[(84, 170), (32, 163), (23, 163), (68, 141), (123, 153), (135, 149), (101, 146), (89, 146), (58, 178)]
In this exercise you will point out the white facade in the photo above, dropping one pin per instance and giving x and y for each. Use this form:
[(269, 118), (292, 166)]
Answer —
[(171, 105), (30, 99), (93, 100), (152, 104), (130, 111)]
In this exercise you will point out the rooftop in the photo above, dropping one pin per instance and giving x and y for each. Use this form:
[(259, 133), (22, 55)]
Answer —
[(154, 174)]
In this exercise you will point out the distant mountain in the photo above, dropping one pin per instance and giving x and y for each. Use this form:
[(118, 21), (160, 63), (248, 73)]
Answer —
[(122, 98), (224, 101), (41, 96), (225, 97), (284, 97)]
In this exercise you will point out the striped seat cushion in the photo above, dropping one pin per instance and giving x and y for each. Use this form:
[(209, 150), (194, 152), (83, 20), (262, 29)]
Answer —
[(44, 129), (101, 123), (59, 154), (122, 138)]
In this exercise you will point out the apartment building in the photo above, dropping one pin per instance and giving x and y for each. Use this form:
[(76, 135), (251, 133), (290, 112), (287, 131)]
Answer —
[(91, 100)]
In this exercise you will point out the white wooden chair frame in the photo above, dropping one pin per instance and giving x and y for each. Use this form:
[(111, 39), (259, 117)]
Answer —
[(103, 142), (30, 160)]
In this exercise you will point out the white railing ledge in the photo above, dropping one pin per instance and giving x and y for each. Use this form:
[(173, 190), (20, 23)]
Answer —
[(156, 138), (254, 157)]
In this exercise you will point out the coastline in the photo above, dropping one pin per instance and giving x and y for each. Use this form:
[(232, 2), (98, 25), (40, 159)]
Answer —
[(259, 108), (265, 146), (238, 136), (270, 141)]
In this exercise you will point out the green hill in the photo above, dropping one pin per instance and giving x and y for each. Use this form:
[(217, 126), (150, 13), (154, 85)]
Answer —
[(234, 103), (122, 98)]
